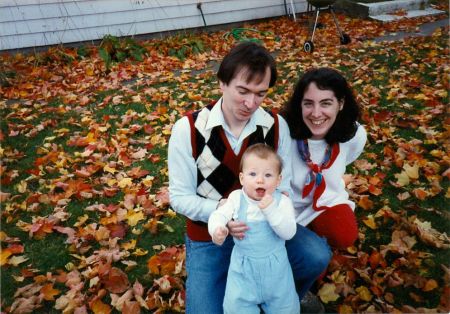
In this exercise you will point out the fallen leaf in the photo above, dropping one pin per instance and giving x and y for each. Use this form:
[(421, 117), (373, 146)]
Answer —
[(327, 293)]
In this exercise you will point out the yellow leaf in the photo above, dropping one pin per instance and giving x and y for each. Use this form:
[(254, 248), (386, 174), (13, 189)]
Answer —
[(109, 169), (412, 171), (90, 138), (148, 181), (328, 293), (338, 277), (345, 309), (370, 222), (125, 182), (402, 178), (129, 245), (134, 217), (89, 71), (364, 293), (421, 97), (21, 187), (102, 233), (4, 254), (108, 220), (3, 236), (81, 220), (111, 182), (140, 252), (16, 260)]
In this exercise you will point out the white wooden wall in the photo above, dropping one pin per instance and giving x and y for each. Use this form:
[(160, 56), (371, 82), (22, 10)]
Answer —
[(32, 23)]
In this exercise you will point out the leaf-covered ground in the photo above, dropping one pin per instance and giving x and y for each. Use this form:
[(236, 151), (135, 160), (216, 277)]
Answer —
[(86, 224)]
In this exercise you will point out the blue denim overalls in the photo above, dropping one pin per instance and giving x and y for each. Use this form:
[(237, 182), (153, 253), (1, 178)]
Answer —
[(259, 271)]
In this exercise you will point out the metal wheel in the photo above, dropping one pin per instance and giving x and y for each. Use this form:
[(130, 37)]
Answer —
[(308, 46), (345, 39)]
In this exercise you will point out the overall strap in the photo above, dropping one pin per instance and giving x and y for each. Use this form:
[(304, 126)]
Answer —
[(242, 210)]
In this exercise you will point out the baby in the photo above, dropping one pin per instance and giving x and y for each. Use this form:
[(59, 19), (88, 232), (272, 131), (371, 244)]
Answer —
[(259, 273)]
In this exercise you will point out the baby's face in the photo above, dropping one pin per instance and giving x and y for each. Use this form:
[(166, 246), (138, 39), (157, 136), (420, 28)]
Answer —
[(259, 176)]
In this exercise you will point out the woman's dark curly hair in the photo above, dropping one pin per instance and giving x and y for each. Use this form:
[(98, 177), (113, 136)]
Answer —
[(345, 126)]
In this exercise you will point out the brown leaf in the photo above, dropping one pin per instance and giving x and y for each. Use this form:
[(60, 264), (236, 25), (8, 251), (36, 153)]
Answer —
[(116, 281), (131, 307)]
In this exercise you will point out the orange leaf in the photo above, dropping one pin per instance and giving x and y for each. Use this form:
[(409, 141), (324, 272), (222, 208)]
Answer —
[(431, 284), (365, 203), (98, 307), (49, 292), (153, 264), (421, 194), (374, 190), (374, 259)]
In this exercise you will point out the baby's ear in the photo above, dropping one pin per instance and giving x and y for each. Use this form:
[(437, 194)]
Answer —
[(241, 176)]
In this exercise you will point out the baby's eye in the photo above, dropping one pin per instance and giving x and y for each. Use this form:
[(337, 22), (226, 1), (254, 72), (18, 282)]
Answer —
[(268, 175), (252, 174)]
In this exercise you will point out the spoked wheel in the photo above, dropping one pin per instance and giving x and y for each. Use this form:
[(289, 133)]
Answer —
[(345, 39), (308, 46)]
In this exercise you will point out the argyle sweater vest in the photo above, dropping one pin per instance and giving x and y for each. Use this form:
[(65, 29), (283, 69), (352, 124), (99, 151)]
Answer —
[(217, 164)]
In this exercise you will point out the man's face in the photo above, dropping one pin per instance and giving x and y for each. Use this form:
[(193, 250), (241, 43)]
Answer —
[(242, 99)]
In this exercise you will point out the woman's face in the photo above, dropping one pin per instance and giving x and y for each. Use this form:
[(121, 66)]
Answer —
[(319, 110)]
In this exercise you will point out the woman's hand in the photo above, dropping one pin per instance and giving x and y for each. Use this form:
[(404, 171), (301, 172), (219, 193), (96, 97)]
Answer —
[(237, 229)]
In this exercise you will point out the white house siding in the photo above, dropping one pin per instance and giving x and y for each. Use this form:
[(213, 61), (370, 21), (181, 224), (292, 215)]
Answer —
[(32, 23)]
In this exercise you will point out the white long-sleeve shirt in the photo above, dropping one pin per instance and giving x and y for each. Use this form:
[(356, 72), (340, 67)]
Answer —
[(335, 192), (279, 216), (183, 168)]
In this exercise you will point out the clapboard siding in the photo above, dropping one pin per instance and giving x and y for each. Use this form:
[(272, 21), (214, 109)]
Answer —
[(31, 23)]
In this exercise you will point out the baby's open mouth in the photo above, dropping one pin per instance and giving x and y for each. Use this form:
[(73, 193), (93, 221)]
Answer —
[(260, 192)]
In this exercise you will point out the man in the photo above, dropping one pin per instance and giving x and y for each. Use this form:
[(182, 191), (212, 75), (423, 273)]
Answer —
[(204, 154)]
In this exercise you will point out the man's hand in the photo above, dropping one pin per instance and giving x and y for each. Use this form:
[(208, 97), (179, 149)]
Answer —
[(219, 235), (265, 201), (237, 229)]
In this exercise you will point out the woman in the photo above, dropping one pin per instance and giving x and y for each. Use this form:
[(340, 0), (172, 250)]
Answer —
[(322, 117)]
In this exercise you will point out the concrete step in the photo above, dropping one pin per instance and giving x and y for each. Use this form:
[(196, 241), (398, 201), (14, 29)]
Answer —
[(385, 7), (386, 10), (388, 17)]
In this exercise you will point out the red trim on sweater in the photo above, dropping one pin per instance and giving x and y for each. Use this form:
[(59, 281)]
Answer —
[(192, 127), (276, 127), (197, 231)]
